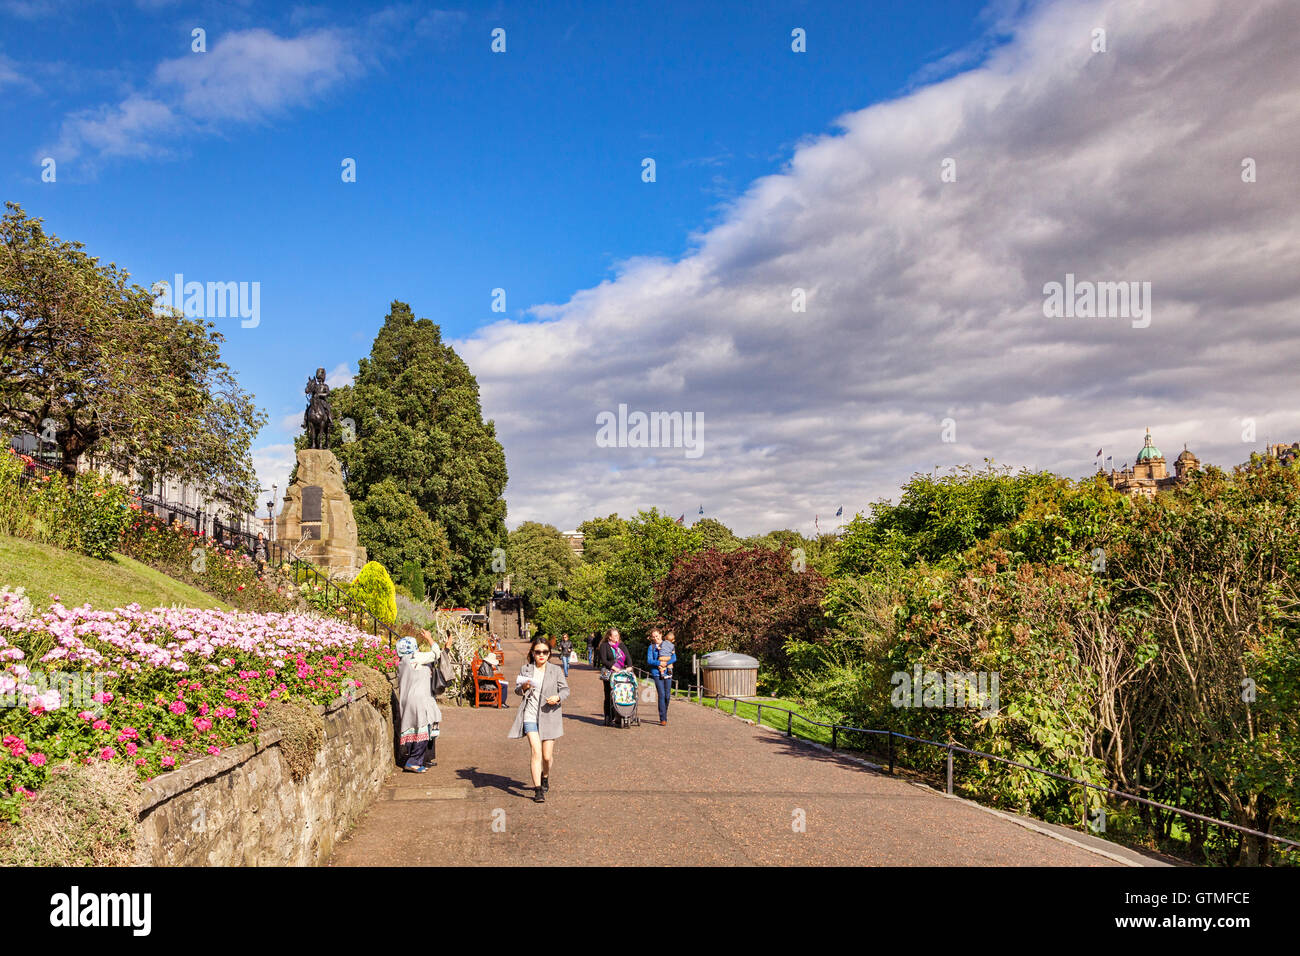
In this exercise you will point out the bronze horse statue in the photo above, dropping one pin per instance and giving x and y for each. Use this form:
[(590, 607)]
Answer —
[(318, 417)]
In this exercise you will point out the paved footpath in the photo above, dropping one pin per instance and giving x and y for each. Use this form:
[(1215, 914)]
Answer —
[(705, 789)]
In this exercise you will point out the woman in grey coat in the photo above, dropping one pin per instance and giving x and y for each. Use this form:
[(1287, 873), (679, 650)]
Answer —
[(420, 715), (542, 686)]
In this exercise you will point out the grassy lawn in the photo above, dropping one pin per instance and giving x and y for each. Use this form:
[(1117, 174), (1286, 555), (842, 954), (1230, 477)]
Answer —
[(77, 579), (778, 718)]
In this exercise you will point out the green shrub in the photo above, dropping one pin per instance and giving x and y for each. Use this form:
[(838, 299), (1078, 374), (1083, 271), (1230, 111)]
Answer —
[(374, 589), (100, 511), (179, 552), (87, 515)]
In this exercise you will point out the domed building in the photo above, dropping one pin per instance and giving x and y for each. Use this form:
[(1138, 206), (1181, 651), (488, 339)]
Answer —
[(1149, 473)]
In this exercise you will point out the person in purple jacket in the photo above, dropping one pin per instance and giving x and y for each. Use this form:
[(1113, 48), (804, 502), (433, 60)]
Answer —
[(611, 656)]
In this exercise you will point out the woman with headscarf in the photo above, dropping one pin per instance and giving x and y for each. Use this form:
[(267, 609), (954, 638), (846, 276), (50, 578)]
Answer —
[(419, 708)]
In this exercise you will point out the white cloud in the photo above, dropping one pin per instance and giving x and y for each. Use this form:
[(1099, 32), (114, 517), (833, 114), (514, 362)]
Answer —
[(247, 76), (273, 464), (925, 298), (340, 375)]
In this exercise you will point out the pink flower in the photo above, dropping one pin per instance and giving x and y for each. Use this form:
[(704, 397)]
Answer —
[(203, 709), (85, 715), (100, 725), (214, 750), (141, 762), (37, 708), (108, 753), (178, 707), (168, 760), (202, 724), (37, 760), (131, 749)]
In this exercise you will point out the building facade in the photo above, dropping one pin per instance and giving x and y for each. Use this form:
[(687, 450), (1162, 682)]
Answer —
[(574, 538), (1149, 473), (213, 512)]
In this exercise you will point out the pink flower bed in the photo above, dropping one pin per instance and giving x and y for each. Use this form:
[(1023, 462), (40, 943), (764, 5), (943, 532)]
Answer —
[(158, 687)]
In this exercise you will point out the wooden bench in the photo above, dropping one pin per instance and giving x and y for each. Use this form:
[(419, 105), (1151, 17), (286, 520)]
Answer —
[(487, 689)]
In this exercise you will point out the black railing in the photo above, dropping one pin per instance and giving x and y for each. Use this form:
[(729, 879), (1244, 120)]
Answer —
[(234, 539), (951, 748), (34, 467), (238, 540)]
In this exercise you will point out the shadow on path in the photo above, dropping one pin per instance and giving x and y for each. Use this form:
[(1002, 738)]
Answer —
[(492, 781)]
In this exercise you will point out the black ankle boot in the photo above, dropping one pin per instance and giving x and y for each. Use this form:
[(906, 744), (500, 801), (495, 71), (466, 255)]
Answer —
[(539, 796), (546, 784)]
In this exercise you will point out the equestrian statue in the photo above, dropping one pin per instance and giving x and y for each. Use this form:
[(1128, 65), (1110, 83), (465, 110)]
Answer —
[(318, 417)]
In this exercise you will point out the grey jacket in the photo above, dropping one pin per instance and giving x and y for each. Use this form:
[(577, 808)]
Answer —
[(550, 720)]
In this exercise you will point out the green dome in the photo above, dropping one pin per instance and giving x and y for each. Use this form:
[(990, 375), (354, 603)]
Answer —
[(1149, 450)]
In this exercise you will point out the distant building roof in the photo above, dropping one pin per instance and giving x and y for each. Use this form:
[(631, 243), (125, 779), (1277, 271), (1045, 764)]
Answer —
[(1149, 450)]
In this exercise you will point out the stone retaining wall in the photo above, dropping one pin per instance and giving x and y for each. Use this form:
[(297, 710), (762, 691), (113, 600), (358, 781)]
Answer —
[(241, 807)]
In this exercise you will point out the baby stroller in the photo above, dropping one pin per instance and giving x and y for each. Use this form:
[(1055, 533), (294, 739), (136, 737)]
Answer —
[(622, 701)]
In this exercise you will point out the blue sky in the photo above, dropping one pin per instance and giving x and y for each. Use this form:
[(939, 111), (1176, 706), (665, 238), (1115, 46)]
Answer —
[(522, 171)]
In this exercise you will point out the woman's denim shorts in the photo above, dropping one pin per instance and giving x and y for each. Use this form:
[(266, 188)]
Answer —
[(530, 727)]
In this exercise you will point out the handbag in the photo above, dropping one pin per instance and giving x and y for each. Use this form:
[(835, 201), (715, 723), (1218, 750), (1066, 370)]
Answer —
[(445, 669)]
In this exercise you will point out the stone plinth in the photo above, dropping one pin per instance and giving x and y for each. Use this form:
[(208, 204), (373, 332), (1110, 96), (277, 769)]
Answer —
[(317, 506)]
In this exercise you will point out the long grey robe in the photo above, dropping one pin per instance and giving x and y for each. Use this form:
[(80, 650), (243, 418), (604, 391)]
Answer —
[(420, 713)]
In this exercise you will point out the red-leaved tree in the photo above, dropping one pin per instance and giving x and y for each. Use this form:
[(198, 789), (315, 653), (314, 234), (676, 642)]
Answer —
[(749, 601)]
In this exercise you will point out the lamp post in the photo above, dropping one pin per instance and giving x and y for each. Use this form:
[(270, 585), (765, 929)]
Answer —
[(270, 509)]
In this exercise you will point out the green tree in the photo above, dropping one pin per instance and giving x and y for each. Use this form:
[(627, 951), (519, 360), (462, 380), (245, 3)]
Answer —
[(654, 542), (86, 361), (395, 531), (603, 539), (585, 609), (937, 518), (413, 580), (713, 534), (419, 422), (539, 562)]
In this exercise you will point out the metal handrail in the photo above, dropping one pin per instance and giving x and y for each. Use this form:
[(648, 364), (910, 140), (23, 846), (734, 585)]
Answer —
[(279, 555), (275, 552), (952, 747)]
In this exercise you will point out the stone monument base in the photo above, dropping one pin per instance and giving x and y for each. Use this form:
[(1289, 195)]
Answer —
[(317, 520)]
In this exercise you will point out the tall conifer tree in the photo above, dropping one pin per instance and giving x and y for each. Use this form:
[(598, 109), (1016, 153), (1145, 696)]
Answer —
[(418, 421)]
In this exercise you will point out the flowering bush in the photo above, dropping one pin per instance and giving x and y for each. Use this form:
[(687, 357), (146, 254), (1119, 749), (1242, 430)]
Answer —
[(177, 683), (182, 553), (87, 515)]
